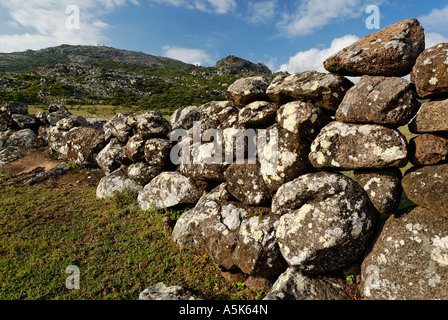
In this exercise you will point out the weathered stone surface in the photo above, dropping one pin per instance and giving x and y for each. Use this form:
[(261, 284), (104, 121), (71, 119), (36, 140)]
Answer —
[(235, 236), (218, 115), (57, 113), (55, 139), (116, 182), (157, 152), (327, 221), (143, 173), (97, 123), (258, 114), (432, 117), (71, 122), (160, 291), (389, 52), (109, 158), (184, 118), (388, 101), (246, 184), (285, 157), (321, 89), (344, 146), (151, 124), (83, 145), (6, 122), (383, 188), (170, 189), (134, 149), (118, 127), (57, 107), (428, 149), (25, 138), (25, 121), (15, 108), (293, 285), (430, 73), (42, 116), (409, 260), (428, 187), (247, 90), (302, 118), (9, 154)]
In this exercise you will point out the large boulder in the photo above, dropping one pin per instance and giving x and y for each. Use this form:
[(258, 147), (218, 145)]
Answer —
[(327, 221), (389, 52), (109, 159), (71, 122), (258, 114), (388, 101), (431, 118), (344, 146), (184, 118), (24, 138), (409, 260), (25, 121), (134, 149), (247, 90), (294, 285), (151, 124), (14, 108), (116, 183), (158, 151), (83, 145), (55, 139), (170, 189), (323, 90), (430, 73), (302, 118), (6, 121), (143, 173), (9, 154), (428, 187), (218, 115), (118, 127)]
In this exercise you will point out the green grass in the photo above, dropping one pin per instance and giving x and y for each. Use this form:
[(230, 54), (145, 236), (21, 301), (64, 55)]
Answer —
[(119, 249)]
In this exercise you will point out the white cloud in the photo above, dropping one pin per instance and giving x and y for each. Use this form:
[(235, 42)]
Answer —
[(210, 6), (314, 58), (192, 56), (313, 15), (42, 23), (433, 38), (261, 11), (436, 18)]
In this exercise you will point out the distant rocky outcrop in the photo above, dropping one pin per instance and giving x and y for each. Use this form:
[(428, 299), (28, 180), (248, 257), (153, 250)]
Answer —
[(234, 65)]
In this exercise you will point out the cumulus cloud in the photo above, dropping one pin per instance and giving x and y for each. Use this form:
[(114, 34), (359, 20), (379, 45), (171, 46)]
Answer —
[(433, 38), (314, 58), (193, 56), (261, 11), (210, 6), (436, 18), (44, 23)]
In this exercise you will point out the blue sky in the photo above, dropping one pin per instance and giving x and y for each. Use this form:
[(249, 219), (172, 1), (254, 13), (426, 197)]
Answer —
[(284, 34)]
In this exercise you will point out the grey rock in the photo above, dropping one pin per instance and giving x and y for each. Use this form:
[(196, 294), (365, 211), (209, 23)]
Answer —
[(157, 152), (116, 182), (24, 138), (71, 122), (83, 145), (109, 158), (258, 114), (54, 117), (134, 149), (160, 291), (185, 117), (9, 154), (15, 108), (246, 90), (143, 173), (118, 127), (151, 124), (25, 121)]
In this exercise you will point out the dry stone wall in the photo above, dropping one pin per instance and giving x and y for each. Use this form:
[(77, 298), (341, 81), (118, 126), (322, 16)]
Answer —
[(298, 219)]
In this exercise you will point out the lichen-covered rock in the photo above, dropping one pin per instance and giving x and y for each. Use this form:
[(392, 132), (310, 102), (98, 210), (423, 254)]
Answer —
[(109, 158), (83, 145), (14, 108), (327, 221), (389, 52), (118, 127), (430, 73), (258, 114), (25, 121), (286, 157), (157, 152), (185, 118), (428, 149), (321, 89), (409, 260), (388, 101), (246, 184), (57, 112), (71, 122), (302, 118), (6, 122), (24, 138), (55, 107), (218, 115), (151, 124), (9, 154), (428, 187), (134, 149), (294, 285), (42, 116), (235, 236), (383, 188), (55, 139), (160, 291), (344, 146), (143, 173), (247, 90), (431, 118), (116, 182), (170, 189)]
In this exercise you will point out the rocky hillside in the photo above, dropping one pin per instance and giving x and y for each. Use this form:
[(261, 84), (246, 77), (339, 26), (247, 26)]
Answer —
[(104, 75)]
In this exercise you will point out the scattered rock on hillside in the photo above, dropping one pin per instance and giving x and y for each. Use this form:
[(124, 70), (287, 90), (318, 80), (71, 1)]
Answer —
[(293, 285), (327, 221), (116, 182), (431, 118), (388, 101), (428, 149), (389, 52), (383, 188), (247, 90), (258, 114), (428, 187), (170, 189), (323, 90), (302, 118), (409, 260), (430, 73), (344, 146)]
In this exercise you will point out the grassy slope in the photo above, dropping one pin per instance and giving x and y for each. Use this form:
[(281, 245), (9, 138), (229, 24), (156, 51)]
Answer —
[(119, 249)]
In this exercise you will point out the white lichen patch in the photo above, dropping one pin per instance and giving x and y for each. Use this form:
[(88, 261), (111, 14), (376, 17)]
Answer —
[(440, 251), (433, 81)]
